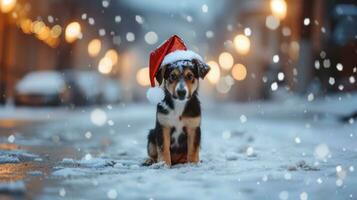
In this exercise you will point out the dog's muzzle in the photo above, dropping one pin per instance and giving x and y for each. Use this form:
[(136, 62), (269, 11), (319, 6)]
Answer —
[(181, 90)]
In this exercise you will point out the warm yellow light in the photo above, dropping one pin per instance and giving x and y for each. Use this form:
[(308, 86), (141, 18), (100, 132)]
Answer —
[(94, 47), (278, 8), (239, 72), (73, 32), (113, 55), (56, 31), (105, 65), (142, 77), (44, 33), (242, 44), (37, 26), (7, 5), (215, 73), (226, 60), (26, 26)]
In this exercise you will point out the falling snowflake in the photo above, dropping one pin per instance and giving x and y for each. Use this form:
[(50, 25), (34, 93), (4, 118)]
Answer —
[(331, 80), (229, 27), (310, 97), (11, 139), (243, 119), (250, 151), (226, 135), (317, 64), (319, 180), (274, 86), (204, 8), (306, 21), (110, 122), (88, 156), (117, 19), (102, 32), (287, 176), (88, 134), (323, 30), (297, 140), (339, 182), (321, 151), (91, 21), (98, 117), (130, 37), (151, 37), (339, 67), (281, 76), (139, 19), (112, 194), (209, 34), (272, 22), (62, 192), (303, 196), (105, 3), (247, 31), (84, 16), (327, 63), (50, 19), (189, 18), (276, 58), (284, 195), (322, 54), (351, 168), (352, 79), (341, 87)]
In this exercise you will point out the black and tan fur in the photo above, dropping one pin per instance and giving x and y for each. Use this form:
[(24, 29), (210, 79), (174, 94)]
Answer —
[(177, 134)]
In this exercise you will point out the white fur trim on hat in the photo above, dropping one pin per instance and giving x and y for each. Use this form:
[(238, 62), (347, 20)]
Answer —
[(180, 55)]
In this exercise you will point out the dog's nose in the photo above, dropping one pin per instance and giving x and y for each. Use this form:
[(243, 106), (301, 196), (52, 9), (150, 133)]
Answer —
[(181, 93)]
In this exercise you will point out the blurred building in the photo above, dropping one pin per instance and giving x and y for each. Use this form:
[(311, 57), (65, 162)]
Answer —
[(254, 47)]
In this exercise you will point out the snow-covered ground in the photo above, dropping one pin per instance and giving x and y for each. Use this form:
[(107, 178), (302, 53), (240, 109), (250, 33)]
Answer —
[(291, 149)]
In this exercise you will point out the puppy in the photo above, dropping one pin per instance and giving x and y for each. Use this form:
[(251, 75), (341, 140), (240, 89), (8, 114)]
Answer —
[(177, 134)]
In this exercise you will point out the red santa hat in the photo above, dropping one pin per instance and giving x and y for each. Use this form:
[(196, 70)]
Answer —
[(172, 50)]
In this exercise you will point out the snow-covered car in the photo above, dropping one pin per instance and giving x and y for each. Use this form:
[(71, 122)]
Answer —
[(41, 88), (90, 87)]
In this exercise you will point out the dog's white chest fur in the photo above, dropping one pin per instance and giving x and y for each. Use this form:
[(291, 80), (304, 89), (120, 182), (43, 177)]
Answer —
[(173, 119)]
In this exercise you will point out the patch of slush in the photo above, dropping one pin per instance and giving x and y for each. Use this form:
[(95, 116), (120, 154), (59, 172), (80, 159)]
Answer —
[(17, 187)]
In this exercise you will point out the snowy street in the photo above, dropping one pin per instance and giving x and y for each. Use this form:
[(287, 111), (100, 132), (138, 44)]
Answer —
[(267, 150)]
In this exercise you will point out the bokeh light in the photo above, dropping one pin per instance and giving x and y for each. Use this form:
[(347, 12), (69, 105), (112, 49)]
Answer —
[(56, 31), (242, 44), (94, 47), (7, 5), (239, 72), (226, 60), (112, 55), (272, 22), (215, 73), (278, 8), (105, 65), (73, 32), (142, 76)]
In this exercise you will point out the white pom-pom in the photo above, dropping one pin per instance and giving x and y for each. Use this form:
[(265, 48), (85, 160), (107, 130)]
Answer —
[(155, 95)]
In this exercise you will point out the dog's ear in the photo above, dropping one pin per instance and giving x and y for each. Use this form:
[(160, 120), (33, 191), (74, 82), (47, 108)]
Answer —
[(201, 68), (160, 74)]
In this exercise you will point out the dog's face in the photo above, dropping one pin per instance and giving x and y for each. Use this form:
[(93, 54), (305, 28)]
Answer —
[(181, 77)]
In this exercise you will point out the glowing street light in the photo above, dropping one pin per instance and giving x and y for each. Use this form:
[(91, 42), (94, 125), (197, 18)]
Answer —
[(94, 47), (239, 72), (73, 32), (214, 74), (278, 8), (242, 44), (7, 5), (226, 60), (142, 77)]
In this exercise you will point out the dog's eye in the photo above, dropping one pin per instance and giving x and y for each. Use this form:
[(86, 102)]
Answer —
[(189, 77), (173, 77)]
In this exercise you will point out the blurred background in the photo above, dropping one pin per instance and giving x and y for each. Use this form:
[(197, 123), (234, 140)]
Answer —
[(74, 53)]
